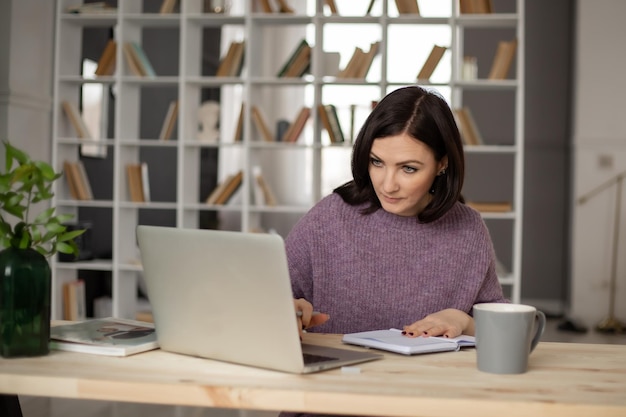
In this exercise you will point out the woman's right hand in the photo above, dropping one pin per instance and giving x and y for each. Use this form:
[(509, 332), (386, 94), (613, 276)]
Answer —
[(307, 318)]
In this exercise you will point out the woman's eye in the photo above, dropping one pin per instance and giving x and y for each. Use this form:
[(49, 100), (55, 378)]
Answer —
[(409, 170), (375, 162)]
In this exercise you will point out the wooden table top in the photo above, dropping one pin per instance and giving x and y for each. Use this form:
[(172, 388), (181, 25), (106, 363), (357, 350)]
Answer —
[(564, 379)]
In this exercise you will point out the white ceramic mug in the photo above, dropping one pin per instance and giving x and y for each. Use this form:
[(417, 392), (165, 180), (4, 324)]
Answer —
[(506, 334)]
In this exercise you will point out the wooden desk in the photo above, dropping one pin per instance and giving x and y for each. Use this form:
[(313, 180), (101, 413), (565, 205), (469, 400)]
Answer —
[(564, 379)]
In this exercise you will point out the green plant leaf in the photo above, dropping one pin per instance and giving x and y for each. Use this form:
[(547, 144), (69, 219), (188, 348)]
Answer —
[(70, 235), (46, 171), (62, 218), (43, 251), (16, 153), (55, 227), (24, 242), (26, 183), (25, 174), (5, 183), (64, 247), (48, 237), (5, 228), (44, 215)]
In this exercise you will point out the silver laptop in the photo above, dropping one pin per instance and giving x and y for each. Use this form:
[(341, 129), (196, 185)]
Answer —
[(227, 296)]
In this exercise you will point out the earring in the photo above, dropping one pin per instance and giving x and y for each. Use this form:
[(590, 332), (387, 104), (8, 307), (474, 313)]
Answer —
[(433, 187)]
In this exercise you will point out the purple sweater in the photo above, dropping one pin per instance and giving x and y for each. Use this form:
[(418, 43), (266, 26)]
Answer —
[(381, 270)]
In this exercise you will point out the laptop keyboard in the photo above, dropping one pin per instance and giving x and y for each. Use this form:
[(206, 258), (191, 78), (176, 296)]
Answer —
[(310, 358)]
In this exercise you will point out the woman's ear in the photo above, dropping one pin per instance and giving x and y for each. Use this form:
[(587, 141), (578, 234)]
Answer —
[(442, 166)]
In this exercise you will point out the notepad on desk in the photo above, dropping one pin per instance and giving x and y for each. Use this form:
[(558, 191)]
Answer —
[(106, 336), (393, 340)]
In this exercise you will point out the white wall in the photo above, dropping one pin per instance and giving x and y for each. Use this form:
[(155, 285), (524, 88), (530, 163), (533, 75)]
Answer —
[(26, 45), (599, 153)]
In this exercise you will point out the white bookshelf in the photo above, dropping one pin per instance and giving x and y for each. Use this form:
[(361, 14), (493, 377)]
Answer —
[(300, 173)]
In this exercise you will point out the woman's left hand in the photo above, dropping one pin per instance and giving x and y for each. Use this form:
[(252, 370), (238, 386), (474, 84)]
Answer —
[(447, 323)]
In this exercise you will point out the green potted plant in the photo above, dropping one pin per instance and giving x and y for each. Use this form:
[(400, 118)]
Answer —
[(27, 240)]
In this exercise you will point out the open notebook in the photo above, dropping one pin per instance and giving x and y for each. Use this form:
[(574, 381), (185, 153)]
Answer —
[(392, 340), (227, 296)]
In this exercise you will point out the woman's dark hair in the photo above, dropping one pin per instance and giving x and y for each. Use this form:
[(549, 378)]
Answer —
[(425, 116)]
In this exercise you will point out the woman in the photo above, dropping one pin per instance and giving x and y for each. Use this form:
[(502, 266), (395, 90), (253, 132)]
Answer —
[(396, 246)]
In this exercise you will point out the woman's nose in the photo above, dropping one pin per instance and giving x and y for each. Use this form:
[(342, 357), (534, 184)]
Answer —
[(389, 182)]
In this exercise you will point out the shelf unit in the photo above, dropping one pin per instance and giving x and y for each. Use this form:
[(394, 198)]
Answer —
[(313, 164)]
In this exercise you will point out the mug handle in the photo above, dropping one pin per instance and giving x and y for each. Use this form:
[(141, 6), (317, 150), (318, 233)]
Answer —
[(541, 324)]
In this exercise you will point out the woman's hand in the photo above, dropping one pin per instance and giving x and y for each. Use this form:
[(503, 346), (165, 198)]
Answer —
[(447, 323), (306, 317)]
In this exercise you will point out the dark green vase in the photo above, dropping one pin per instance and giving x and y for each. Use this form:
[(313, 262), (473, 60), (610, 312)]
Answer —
[(24, 303)]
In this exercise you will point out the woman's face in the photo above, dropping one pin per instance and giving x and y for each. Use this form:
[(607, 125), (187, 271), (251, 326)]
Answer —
[(402, 170)]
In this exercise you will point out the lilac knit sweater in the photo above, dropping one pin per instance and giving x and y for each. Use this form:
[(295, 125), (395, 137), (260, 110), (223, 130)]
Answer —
[(381, 270)]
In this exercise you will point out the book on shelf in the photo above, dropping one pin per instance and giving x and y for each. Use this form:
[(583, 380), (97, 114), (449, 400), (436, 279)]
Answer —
[(168, 6), (284, 7), (491, 206), (77, 180), (321, 112), (475, 6), (330, 121), (332, 6), (393, 340), (84, 183), (232, 62), (263, 194), (282, 126), (239, 127), (132, 61), (366, 61), (295, 129), (142, 59), (352, 122), (261, 125), (169, 122), (71, 180), (269, 197), (298, 62), (431, 62), (98, 7), (238, 58), (502, 60), (370, 7), (265, 6), (106, 62), (226, 189), (408, 7), (470, 134), (360, 62), (76, 120), (137, 60), (134, 180), (145, 182), (352, 67), (104, 336), (333, 117), (74, 301), (300, 65)]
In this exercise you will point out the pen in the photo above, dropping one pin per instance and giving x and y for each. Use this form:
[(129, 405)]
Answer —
[(299, 313)]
